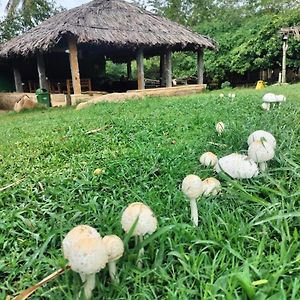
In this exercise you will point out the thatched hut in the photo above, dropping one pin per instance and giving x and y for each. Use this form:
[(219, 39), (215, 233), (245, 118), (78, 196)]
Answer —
[(97, 31)]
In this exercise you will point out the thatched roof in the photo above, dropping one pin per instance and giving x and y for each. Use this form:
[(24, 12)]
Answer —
[(108, 24)]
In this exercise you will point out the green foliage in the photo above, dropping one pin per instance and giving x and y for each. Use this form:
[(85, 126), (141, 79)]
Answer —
[(225, 84), (22, 20), (246, 31)]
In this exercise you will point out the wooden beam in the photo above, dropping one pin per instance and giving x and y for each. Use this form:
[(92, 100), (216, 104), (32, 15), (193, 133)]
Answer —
[(200, 66), (168, 68), (129, 70), (41, 71), (140, 69), (18, 79), (74, 66)]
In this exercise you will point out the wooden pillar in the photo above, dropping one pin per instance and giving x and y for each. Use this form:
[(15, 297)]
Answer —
[(74, 66), (41, 71), (18, 79), (284, 50), (162, 69), (200, 66), (140, 69), (129, 70), (168, 68)]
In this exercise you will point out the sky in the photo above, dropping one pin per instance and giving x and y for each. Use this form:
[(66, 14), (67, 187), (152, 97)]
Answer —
[(64, 3)]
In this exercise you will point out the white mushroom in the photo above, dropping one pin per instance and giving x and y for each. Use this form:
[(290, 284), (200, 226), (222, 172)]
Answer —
[(220, 127), (237, 166), (269, 97), (87, 257), (146, 222), (210, 186), (74, 235), (115, 249), (261, 152), (191, 187), (262, 135), (208, 159), (280, 98)]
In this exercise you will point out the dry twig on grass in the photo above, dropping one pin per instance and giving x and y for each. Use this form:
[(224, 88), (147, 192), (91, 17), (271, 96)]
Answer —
[(11, 185), (25, 294)]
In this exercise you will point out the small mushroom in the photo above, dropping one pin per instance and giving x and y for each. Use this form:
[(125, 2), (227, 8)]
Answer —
[(261, 152), (75, 234), (210, 186), (146, 222), (220, 127), (262, 135), (115, 249), (87, 257), (208, 159), (237, 166), (191, 187)]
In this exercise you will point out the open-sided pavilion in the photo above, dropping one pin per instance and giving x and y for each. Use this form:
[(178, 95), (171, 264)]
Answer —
[(74, 46)]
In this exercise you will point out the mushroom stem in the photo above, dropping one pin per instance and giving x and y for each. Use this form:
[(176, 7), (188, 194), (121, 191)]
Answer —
[(140, 254), (262, 166), (112, 269), (194, 211), (89, 285)]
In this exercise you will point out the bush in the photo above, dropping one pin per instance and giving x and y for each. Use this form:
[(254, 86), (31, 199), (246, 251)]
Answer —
[(225, 84)]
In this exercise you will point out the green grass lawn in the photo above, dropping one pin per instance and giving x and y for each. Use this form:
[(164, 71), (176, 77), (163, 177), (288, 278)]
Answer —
[(250, 232)]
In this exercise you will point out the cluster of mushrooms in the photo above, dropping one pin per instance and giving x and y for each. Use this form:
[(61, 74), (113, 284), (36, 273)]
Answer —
[(271, 98), (88, 253), (261, 148)]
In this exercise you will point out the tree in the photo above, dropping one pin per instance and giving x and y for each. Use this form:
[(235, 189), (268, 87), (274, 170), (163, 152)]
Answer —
[(25, 18)]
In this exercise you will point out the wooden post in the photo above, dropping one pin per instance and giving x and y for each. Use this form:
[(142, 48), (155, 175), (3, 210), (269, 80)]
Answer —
[(129, 70), (168, 69), (18, 79), (41, 71), (162, 69), (140, 69), (200, 66), (284, 50), (74, 66)]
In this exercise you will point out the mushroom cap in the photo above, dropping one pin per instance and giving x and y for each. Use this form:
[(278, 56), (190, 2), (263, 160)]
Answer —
[(210, 186), (261, 134), (76, 234), (208, 159), (220, 127), (280, 98), (269, 97), (88, 255), (147, 222), (191, 186), (237, 166), (114, 247), (261, 151)]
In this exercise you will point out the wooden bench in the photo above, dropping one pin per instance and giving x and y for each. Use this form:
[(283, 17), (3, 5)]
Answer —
[(86, 85)]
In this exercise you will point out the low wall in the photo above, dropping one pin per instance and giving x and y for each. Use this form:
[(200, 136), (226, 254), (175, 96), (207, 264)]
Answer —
[(8, 100)]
